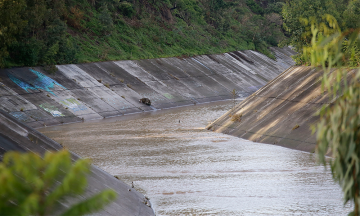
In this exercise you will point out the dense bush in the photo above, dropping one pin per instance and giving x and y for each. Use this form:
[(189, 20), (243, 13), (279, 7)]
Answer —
[(105, 19), (127, 9), (68, 31), (254, 7), (296, 12), (275, 7)]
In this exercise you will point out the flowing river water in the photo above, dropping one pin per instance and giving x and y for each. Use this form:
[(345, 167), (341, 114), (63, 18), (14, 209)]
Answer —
[(187, 170)]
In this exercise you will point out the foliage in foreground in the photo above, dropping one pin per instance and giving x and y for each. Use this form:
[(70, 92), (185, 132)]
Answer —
[(347, 14), (31, 185), (339, 126)]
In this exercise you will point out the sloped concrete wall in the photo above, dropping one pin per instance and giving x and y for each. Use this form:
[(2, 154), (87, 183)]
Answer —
[(100, 90), (272, 113), (33, 98), (16, 136)]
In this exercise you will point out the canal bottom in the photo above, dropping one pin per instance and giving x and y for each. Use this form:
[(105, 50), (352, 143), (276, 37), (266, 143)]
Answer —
[(187, 170)]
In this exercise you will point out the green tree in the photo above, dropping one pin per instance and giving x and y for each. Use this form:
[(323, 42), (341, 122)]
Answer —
[(294, 11), (254, 7), (352, 14), (105, 19), (44, 39), (127, 9), (31, 185), (11, 24), (68, 31), (339, 126), (274, 7)]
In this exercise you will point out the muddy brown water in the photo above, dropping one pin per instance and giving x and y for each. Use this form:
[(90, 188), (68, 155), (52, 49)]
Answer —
[(186, 170)]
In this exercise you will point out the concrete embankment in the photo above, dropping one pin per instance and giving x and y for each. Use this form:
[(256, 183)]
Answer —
[(34, 98), (281, 112), (16, 136), (99, 90)]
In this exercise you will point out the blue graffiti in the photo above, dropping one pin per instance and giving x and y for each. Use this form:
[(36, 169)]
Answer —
[(41, 82), (19, 115)]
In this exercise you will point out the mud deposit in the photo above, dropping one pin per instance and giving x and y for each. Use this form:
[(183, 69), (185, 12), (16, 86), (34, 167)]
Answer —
[(187, 170)]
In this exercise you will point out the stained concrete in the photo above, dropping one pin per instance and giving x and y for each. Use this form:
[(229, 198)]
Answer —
[(271, 114), (100, 90), (33, 98), (16, 136)]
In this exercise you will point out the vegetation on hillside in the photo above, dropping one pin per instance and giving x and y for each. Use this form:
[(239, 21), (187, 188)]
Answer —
[(47, 32), (298, 15), (31, 185)]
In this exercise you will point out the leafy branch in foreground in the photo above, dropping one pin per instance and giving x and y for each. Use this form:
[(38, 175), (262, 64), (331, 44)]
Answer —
[(31, 185), (338, 132)]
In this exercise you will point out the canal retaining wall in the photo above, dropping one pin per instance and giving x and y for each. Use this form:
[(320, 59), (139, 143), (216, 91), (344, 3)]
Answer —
[(34, 97), (74, 93), (281, 112), (16, 136)]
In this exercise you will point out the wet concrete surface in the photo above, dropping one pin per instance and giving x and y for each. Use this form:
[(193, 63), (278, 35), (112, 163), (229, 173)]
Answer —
[(187, 170)]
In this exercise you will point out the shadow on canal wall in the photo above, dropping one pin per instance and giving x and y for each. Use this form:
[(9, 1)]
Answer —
[(99, 90), (279, 113), (16, 136)]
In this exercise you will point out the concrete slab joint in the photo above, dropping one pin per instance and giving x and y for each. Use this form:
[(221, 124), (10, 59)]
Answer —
[(32, 98)]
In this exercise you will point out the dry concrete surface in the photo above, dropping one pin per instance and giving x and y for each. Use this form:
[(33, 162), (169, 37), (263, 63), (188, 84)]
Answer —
[(281, 112), (16, 136), (33, 97), (100, 90)]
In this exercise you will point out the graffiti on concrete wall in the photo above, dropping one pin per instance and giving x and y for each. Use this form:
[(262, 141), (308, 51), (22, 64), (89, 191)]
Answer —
[(20, 116), (73, 105), (42, 82), (51, 109), (168, 96)]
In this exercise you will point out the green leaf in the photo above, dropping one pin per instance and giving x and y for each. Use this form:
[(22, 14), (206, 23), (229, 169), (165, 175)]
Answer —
[(96, 203)]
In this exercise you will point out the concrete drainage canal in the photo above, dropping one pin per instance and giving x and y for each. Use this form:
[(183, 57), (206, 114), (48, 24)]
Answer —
[(186, 170), (174, 164)]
